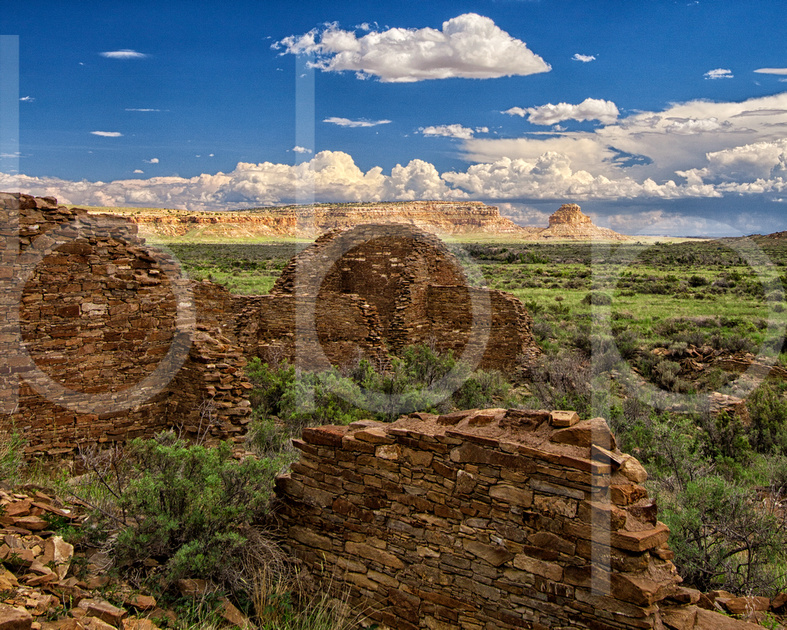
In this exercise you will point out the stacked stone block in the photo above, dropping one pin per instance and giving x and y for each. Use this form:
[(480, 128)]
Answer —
[(409, 289), (103, 339), (482, 519)]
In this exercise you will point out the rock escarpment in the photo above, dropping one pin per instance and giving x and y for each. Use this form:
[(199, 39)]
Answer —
[(569, 223), (485, 519), (445, 218), (437, 217)]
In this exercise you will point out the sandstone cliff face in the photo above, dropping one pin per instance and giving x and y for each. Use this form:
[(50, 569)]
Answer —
[(569, 223), (570, 214), (436, 217), (444, 218)]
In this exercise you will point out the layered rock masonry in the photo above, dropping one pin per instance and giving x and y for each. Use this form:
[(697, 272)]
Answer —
[(495, 518), (111, 342), (375, 289)]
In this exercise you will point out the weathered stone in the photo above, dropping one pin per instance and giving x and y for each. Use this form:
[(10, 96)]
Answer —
[(465, 482), (563, 419), (510, 494), (103, 610), (778, 602), (141, 602), (327, 435), (633, 470), (96, 623), (373, 435), (235, 617), (372, 553), (745, 605), (59, 553), (493, 554), (627, 494), (682, 618), (138, 623), (586, 433), (548, 570), (708, 620), (12, 618), (600, 454)]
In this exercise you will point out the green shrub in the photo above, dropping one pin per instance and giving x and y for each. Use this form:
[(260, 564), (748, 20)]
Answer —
[(723, 538), (193, 508), (767, 408), (597, 298), (698, 281), (421, 379), (12, 446), (482, 390)]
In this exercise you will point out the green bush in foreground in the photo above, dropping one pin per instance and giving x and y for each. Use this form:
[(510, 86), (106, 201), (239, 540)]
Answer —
[(419, 380), (12, 446), (194, 508)]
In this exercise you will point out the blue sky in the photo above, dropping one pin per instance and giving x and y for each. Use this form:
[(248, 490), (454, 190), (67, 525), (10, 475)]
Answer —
[(656, 117)]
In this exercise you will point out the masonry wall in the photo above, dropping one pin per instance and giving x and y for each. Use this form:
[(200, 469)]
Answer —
[(98, 315), (411, 290), (336, 329), (483, 519), (453, 314)]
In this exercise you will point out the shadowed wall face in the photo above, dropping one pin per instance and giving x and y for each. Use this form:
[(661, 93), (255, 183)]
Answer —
[(410, 289), (484, 519)]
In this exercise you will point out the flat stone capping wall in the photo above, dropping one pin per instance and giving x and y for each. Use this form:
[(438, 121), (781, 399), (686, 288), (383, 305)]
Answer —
[(484, 519)]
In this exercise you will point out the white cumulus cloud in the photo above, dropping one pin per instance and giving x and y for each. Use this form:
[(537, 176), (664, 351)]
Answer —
[(27, 99), (107, 134), (347, 122), (453, 131), (772, 70), (469, 46), (125, 53), (719, 73), (138, 171), (152, 161), (590, 109), (333, 175), (298, 149), (583, 58)]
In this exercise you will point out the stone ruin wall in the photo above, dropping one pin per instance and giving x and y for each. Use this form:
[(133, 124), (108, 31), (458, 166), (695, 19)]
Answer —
[(484, 519), (389, 286), (97, 315)]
